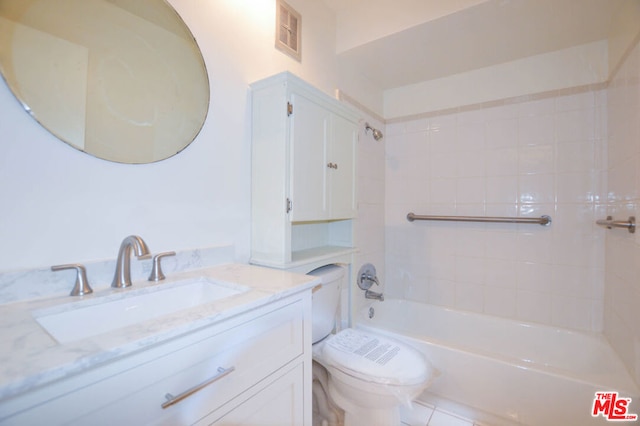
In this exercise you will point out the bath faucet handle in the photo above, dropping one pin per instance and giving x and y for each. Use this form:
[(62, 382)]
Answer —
[(372, 278), (367, 276), (156, 270), (82, 286)]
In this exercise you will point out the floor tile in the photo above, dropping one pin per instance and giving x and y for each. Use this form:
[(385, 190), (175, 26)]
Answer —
[(440, 418), (417, 415)]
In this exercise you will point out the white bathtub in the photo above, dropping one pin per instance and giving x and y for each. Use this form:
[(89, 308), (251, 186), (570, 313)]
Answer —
[(506, 372)]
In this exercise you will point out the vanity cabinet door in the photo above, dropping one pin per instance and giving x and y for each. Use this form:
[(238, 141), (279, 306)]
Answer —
[(278, 401)]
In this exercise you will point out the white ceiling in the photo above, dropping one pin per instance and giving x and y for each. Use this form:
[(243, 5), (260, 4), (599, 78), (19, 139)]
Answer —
[(395, 43)]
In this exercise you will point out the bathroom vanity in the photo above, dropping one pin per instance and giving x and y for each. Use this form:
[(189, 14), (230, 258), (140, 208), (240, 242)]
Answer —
[(241, 359)]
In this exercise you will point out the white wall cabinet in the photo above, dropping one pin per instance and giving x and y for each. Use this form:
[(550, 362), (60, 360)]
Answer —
[(322, 162), (303, 172), (267, 351)]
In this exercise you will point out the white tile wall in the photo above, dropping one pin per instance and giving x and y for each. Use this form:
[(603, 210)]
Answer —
[(622, 290), (575, 157), (521, 159), (369, 229)]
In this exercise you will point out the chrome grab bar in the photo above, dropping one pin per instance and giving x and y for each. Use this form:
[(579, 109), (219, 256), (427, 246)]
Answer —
[(630, 224), (222, 372), (543, 220)]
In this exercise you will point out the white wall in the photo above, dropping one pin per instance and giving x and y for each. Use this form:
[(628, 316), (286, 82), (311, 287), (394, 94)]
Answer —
[(622, 292), (60, 205), (576, 66), (535, 157)]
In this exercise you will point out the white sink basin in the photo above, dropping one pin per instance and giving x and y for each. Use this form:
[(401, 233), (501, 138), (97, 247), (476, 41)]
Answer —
[(93, 317)]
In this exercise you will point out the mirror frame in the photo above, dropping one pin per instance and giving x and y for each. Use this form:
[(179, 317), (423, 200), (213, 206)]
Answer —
[(114, 91)]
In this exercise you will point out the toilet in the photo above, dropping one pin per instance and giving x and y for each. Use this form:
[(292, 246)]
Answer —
[(366, 375)]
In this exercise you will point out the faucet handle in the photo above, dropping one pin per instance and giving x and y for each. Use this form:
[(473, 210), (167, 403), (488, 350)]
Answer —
[(367, 276), (156, 270), (372, 278), (82, 286)]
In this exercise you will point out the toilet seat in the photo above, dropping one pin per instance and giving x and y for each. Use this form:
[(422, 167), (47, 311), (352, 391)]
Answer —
[(374, 358)]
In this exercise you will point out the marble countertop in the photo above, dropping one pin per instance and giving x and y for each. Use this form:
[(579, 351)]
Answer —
[(30, 357)]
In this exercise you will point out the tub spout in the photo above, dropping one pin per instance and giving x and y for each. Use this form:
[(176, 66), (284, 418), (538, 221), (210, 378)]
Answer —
[(373, 295)]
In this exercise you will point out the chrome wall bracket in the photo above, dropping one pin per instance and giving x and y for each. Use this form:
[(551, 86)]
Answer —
[(609, 223)]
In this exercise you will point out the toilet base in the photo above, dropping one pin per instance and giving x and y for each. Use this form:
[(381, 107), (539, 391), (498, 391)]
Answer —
[(325, 411), (386, 413)]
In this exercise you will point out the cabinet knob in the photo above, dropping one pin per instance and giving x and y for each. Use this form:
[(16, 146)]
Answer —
[(332, 166)]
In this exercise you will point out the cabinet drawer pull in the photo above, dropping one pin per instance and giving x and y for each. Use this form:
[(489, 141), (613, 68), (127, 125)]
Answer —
[(332, 166), (222, 372)]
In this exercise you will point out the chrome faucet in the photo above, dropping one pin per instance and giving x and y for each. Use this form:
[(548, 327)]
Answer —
[(122, 277), (366, 278), (368, 294)]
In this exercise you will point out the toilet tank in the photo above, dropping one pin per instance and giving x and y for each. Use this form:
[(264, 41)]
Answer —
[(326, 300)]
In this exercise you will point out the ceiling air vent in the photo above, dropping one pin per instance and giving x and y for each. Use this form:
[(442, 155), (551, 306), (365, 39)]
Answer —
[(288, 30)]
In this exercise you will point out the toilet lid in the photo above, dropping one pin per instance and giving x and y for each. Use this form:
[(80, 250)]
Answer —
[(375, 358)]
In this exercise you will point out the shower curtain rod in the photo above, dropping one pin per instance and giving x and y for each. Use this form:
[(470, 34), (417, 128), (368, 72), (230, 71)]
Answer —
[(543, 220)]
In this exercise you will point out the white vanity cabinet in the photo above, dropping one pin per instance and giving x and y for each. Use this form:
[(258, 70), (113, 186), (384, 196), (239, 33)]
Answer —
[(253, 368), (303, 172)]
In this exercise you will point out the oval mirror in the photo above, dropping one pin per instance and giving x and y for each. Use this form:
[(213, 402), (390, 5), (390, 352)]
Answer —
[(123, 80)]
